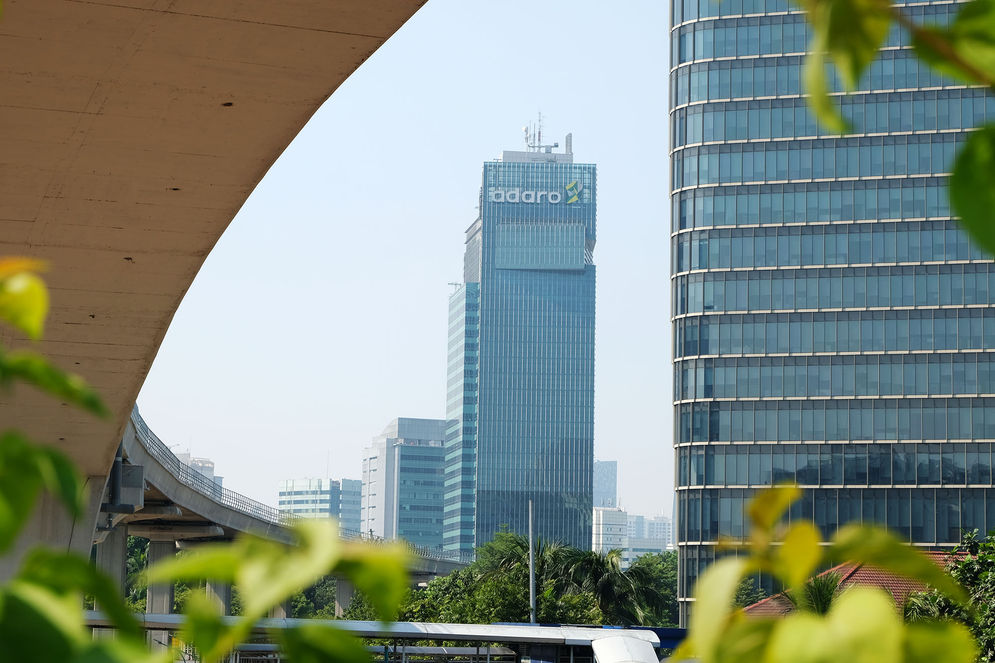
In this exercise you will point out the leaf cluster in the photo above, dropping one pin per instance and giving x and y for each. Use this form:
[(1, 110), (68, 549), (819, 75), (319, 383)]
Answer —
[(849, 34), (860, 624)]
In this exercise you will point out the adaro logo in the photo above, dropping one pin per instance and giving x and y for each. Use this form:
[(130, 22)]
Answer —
[(529, 196), (573, 190)]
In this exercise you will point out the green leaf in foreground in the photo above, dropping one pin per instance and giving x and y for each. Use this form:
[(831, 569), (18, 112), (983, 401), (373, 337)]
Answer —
[(972, 187), (20, 485), (945, 641), (34, 369), (316, 643), (878, 547), (66, 573), (24, 303), (713, 595), (851, 32)]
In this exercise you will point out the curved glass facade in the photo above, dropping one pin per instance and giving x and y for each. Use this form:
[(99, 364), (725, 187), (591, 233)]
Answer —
[(832, 324)]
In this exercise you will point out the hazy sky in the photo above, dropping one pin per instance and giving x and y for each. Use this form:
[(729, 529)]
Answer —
[(321, 314)]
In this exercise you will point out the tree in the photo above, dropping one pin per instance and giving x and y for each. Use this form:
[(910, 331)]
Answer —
[(972, 565), (748, 592), (817, 594), (660, 570), (625, 597)]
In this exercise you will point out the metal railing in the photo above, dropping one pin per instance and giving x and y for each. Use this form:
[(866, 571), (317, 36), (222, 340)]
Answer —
[(229, 498), (194, 479)]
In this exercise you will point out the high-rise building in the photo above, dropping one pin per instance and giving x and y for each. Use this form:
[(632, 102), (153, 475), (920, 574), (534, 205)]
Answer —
[(350, 500), (609, 529), (403, 473), (322, 498), (832, 324), (606, 483), (520, 404)]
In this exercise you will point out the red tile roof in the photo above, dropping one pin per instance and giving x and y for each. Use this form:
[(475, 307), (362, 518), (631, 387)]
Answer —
[(854, 574)]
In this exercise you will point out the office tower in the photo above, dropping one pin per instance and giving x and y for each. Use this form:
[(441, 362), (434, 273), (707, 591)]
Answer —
[(321, 498), (829, 317), (609, 527), (520, 404), (606, 483), (402, 482), (350, 500)]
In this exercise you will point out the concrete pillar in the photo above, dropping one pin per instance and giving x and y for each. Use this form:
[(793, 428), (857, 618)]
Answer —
[(51, 525), (112, 556), (343, 595), (159, 599), (220, 593), (280, 611)]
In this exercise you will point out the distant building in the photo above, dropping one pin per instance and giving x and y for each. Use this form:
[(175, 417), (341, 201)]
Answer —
[(632, 534), (606, 483), (609, 529), (403, 472), (350, 501), (322, 498), (204, 466), (658, 527)]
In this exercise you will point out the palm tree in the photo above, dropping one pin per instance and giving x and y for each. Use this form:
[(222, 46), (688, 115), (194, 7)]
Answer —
[(818, 594), (624, 597)]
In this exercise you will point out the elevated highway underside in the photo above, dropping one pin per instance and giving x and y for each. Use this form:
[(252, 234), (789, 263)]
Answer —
[(131, 132)]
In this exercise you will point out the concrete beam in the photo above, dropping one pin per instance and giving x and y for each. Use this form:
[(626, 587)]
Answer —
[(178, 532)]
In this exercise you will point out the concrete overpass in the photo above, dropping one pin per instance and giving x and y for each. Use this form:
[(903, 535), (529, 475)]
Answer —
[(152, 494), (132, 133)]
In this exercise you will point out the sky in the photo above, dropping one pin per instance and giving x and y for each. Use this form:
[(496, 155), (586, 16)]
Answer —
[(321, 313)]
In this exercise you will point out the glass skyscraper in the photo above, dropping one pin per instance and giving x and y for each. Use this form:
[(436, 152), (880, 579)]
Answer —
[(832, 325), (520, 405)]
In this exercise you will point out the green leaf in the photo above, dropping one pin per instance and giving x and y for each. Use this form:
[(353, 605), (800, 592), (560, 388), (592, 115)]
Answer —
[(316, 643), (744, 640), (964, 49), (817, 89), (768, 506), (106, 650), (798, 638), (380, 572), (878, 547), (24, 303), (20, 484), (864, 627), (713, 596), (38, 371), (215, 562), (946, 641), (69, 574), (851, 32), (60, 478), (204, 628), (799, 555), (53, 620), (972, 187)]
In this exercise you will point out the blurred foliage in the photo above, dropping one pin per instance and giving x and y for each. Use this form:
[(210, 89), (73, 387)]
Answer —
[(41, 606), (860, 624), (849, 33)]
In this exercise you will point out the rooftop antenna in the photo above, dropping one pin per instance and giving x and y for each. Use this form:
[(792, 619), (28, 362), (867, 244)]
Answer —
[(533, 137)]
